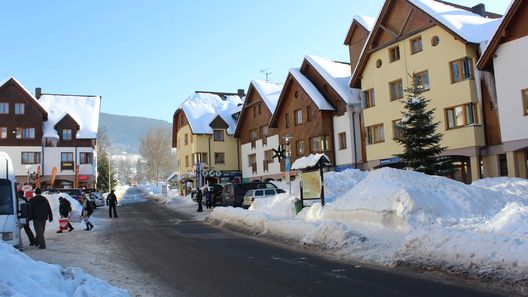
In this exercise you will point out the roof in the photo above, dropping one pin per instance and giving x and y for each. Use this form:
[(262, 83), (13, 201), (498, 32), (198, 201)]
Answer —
[(202, 108), (39, 105), (83, 109), (470, 27), (269, 91), (365, 21), (310, 161), (495, 40), (338, 76), (311, 90)]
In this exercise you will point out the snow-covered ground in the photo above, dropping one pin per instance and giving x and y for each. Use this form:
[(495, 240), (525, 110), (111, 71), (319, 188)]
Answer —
[(397, 217)]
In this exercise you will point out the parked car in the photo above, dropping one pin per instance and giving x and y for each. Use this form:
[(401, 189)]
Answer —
[(97, 198), (233, 194), (251, 195)]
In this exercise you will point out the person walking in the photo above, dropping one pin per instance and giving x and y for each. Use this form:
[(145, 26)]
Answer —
[(111, 201), (86, 213), (208, 198), (40, 212), (64, 210), (26, 227), (199, 199)]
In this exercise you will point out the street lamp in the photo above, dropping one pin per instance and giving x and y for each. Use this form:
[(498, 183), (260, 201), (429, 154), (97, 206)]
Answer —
[(288, 139)]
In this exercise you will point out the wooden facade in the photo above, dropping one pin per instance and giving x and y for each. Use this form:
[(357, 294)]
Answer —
[(356, 38), (179, 120)]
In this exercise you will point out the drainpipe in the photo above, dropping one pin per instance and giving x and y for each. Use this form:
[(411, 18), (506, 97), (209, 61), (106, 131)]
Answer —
[(354, 138)]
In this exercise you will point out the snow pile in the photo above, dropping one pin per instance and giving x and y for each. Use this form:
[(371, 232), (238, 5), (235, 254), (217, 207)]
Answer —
[(269, 92), (75, 215), (393, 217), (26, 277)]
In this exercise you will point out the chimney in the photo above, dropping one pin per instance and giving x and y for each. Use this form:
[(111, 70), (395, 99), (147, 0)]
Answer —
[(240, 93), (38, 93), (479, 9)]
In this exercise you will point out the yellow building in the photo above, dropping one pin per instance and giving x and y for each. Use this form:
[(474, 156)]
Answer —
[(203, 128), (436, 45)]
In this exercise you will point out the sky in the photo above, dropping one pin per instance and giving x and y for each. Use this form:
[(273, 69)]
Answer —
[(145, 57)]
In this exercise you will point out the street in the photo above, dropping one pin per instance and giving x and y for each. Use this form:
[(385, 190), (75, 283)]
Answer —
[(195, 259)]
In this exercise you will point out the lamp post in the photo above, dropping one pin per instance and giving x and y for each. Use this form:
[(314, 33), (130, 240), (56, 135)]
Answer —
[(287, 163), (109, 175)]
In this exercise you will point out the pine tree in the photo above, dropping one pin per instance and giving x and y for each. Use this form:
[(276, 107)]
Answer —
[(103, 175), (419, 136)]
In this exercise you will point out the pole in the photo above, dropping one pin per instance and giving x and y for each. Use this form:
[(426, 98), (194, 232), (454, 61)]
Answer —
[(322, 182), (109, 175)]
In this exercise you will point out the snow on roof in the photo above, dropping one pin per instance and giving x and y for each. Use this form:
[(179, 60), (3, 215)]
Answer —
[(83, 109), (338, 76), (470, 26), (307, 161), (311, 90), (366, 21), (269, 91), (24, 88), (202, 108)]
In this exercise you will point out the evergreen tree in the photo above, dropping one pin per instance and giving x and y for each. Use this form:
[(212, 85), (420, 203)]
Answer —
[(419, 136), (104, 176)]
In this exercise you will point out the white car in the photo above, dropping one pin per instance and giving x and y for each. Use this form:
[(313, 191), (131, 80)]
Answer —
[(97, 198), (251, 195)]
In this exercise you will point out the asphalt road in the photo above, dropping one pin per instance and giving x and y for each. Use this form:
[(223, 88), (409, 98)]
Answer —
[(194, 259)]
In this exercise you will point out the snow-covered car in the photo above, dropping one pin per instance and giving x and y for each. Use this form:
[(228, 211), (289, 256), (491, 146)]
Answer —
[(97, 198), (251, 195)]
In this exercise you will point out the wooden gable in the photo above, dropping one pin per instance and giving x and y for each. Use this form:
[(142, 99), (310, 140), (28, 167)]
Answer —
[(68, 122), (179, 120), (356, 38), (512, 27), (218, 123)]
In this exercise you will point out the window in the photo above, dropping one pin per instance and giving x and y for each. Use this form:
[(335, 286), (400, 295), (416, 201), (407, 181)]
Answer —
[(19, 108), (3, 132), (67, 161), (4, 108), (422, 79), (298, 117), (525, 101), (369, 98), (264, 134), (30, 157), (396, 129), (25, 133), (318, 144), (66, 134), (86, 158), (309, 113), (416, 45), (460, 116), (186, 139), (253, 134), (342, 140), (299, 147), (394, 54), (218, 135), (254, 110), (375, 134), (6, 198), (199, 158), (435, 40), (461, 70), (186, 161), (287, 120), (396, 89), (268, 156), (219, 158), (379, 63), (252, 162)]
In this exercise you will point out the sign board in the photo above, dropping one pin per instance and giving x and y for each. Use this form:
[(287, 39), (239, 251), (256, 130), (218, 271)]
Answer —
[(287, 164), (311, 182)]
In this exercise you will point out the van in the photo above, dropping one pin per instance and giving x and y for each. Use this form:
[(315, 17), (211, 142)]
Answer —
[(9, 205), (233, 194), (251, 195)]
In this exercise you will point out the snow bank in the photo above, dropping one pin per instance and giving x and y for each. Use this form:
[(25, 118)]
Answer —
[(515, 186), (26, 277)]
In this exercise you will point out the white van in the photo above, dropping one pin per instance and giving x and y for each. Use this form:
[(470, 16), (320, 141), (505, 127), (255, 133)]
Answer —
[(9, 207)]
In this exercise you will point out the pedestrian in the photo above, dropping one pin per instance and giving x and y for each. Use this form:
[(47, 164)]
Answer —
[(208, 198), (199, 198), (87, 212), (40, 212), (111, 201), (26, 227), (64, 210)]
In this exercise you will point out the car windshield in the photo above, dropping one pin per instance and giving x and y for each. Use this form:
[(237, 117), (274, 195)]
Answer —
[(6, 198)]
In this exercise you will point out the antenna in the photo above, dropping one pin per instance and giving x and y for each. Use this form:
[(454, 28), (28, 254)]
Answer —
[(266, 72)]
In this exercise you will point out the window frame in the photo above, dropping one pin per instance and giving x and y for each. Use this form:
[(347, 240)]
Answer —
[(20, 133), (464, 116), (36, 158), (62, 161), (217, 156), (187, 161), (392, 57), (460, 70), (215, 134), (370, 98), (86, 158), (422, 75), (297, 117), (524, 95), (299, 144), (399, 84), (64, 134), (341, 137), (412, 42), (371, 134), (186, 139), (3, 131), (395, 131), (2, 105), (18, 110)]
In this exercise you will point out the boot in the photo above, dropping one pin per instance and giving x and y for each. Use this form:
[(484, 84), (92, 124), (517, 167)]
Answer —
[(60, 231)]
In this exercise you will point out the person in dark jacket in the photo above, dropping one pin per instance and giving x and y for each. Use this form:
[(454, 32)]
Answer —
[(111, 201), (208, 198), (40, 212), (26, 227), (64, 210), (87, 212), (199, 199)]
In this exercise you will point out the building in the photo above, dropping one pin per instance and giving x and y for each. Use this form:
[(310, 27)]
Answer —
[(52, 135), (257, 140), (318, 113), (505, 89), (203, 128), (436, 45)]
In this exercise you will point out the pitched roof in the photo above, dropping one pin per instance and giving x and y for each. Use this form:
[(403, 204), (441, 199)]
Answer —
[(495, 40), (37, 103), (359, 20), (311, 90), (82, 109), (468, 26), (202, 108), (269, 91), (338, 76)]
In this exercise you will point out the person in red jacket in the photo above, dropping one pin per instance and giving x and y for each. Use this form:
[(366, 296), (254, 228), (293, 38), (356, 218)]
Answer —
[(40, 212)]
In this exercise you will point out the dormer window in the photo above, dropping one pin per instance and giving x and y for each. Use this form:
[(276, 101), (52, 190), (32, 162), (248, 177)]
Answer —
[(66, 134), (19, 108)]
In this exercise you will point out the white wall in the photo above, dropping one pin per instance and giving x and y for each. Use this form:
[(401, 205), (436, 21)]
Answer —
[(273, 168), (510, 75), (52, 158), (15, 153), (344, 124)]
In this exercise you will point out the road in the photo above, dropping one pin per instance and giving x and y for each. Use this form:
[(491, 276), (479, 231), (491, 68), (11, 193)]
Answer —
[(195, 259)]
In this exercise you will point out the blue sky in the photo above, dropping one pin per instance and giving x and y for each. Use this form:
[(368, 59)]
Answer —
[(146, 57)]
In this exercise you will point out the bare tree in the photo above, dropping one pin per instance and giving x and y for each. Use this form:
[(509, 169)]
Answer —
[(155, 148)]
